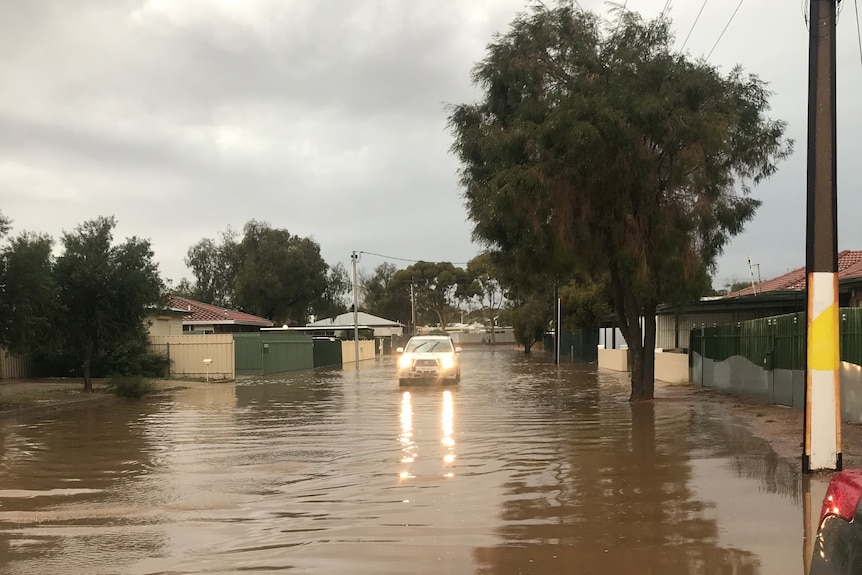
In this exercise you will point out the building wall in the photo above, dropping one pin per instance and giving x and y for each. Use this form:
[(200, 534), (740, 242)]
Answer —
[(187, 354), (165, 324)]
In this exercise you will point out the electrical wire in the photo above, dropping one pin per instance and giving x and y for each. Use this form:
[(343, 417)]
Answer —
[(702, 6), (407, 260), (858, 33), (622, 13), (725, 29), (664, 10)]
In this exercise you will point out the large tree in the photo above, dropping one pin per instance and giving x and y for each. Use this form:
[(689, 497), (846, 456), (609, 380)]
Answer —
[(485, 289), (214, 264), (384, 296), (333, 300), (281, 274), (104, 291), (600, 148), (437, 287), (28, 293)]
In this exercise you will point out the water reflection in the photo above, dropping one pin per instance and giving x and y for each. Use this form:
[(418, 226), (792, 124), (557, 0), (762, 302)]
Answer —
[(448, 430), (408, 446)]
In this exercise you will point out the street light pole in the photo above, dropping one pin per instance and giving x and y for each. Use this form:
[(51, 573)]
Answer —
[(822, 445), (353, 258)]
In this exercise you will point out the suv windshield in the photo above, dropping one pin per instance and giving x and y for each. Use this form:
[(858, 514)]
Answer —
[(428, 346)]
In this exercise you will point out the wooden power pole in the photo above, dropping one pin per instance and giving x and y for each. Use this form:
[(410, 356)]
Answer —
[(822, 385)]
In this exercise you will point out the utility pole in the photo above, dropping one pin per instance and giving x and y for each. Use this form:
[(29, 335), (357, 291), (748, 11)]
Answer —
[(412, 310), (354, 257), (822, 445)]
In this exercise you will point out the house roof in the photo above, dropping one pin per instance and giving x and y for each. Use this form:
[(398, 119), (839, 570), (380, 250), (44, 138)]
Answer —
[(204, 313), (849, 266), (346, 319)]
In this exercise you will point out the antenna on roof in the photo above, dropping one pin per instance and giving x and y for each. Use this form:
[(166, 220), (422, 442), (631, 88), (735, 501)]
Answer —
[(751, 274)]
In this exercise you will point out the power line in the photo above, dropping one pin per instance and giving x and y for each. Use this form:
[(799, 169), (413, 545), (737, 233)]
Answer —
[(858, 34), (725, 29), (702, 6), (664, 10), (407, 260), (622, 13)]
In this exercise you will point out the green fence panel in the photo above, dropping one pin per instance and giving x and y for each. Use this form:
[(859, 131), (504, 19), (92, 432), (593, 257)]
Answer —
[(851, 334), (286, 351), (327, 351), (247, 356), (776, 342)]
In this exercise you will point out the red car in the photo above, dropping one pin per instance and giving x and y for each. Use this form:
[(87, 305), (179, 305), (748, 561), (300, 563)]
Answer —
[(838, 546)]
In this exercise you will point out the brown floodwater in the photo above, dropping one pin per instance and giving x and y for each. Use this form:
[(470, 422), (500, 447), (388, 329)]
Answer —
[(525, 467)]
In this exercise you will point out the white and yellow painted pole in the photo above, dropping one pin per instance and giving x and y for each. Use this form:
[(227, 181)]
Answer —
[(822, 445), (823, 397)]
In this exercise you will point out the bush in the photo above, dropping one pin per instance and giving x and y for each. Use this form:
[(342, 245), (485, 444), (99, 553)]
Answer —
[(133, 386)]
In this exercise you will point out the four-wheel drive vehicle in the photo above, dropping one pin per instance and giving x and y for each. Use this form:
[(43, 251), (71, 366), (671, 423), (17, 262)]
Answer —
[(838, 545), (429, 357)]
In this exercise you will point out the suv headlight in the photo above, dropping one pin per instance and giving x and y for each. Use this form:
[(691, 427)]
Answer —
[(447, 362), (404, 361)]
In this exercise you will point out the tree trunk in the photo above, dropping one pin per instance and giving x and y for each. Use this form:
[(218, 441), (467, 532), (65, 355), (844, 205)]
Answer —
[(643, 364), (88, 382), (88, 359), (527, 346)]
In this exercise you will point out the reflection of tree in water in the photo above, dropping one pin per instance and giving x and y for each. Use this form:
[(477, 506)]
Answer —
[(82, 461), (748, 456), (612, 497)]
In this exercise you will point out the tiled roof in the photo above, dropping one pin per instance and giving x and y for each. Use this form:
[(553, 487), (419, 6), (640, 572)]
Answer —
[(207, 313), (849, 266)]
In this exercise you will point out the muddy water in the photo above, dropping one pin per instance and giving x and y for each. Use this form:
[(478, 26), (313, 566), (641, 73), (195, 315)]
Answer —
[(525, 467)]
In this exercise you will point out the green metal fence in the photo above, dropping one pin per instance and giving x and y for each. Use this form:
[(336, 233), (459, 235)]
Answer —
[(265, 353), (775, 342)]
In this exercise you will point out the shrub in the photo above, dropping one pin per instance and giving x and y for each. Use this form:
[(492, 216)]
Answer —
[(130, 386)]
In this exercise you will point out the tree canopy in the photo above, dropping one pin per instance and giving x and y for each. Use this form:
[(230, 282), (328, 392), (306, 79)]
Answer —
[(104, 291), (268, 272), (597, 149), (437, 288)]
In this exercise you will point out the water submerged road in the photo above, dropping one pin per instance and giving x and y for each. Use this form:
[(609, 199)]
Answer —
[(524, 468)]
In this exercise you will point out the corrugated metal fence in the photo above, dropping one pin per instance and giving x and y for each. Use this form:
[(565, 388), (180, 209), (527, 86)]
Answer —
[(775, 342), (266, 353), (187, 353), (12, 366)]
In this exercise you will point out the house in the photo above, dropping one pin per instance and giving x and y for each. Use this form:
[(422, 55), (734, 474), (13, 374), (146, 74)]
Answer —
[(202, 317), (382, 327), (167, 320), (780, 295)]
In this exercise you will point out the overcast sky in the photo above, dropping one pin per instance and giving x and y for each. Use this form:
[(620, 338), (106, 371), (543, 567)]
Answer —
[(326, 117)]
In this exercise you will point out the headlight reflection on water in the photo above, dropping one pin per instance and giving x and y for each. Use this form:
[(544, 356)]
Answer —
[(448, 428), (408, 446)]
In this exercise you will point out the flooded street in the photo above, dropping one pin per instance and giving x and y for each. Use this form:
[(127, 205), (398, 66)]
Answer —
[(525, 467)]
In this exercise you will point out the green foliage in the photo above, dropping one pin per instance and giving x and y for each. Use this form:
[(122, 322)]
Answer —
[(132, 387), (334, 299), (600, 151), (437, 287), (104, 291), (268, 272), (214, 263), (484, 287), (384, 296), (28, 294), (585, 304), (530, 319), (5, 225), (281, 274)]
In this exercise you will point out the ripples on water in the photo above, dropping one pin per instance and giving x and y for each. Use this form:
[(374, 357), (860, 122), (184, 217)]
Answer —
[(526, 467)]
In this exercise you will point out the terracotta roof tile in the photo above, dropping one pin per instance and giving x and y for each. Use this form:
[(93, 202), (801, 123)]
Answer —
[(849, 265), (204, 312)]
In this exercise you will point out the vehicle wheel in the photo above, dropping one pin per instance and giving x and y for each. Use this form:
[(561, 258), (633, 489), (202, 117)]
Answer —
[(458, 377), (402, 382)]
